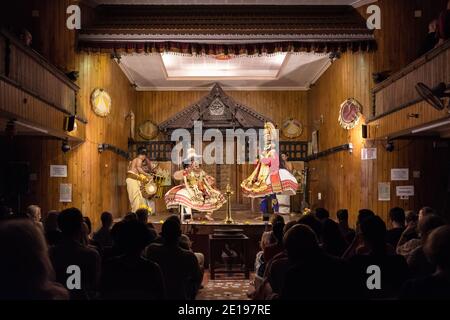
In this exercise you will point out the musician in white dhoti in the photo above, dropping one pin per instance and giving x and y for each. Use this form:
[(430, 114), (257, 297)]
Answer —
[(137, 177)]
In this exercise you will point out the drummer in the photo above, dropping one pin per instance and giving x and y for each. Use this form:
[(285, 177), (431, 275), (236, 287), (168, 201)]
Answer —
[(136, 177)]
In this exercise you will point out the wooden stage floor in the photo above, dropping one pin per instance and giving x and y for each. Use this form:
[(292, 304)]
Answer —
[(240, 218)]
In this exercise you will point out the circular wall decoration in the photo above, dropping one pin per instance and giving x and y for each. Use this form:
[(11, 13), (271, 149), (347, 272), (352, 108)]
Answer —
[(292, 128), (101, 102), (148, 130), (349, 114)]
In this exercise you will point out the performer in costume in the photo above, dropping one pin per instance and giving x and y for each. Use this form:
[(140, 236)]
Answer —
[(284, 200), (197, 189), (268, 179), (137, 177)]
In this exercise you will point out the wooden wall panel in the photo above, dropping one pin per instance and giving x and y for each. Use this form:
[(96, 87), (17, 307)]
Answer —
[(98, 178), (158, 106), (351, 183)]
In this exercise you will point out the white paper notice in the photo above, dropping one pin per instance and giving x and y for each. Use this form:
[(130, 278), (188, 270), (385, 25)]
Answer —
[(65, 192), (368, 153), (400, 174), (384, 191), (58, 171), (405, 191)]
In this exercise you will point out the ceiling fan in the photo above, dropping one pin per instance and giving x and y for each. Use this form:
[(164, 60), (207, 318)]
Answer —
[(435, 96)]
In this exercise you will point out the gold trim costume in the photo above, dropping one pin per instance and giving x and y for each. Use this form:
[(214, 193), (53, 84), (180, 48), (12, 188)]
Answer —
[(268, 178), (197, 190)]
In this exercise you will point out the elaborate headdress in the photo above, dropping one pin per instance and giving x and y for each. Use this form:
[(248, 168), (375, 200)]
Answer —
[(270, 135)]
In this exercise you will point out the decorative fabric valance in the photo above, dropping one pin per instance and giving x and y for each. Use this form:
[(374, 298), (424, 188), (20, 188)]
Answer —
[(229, 49), (225, 30)]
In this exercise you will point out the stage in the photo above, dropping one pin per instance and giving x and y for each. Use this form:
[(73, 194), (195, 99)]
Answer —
[(199, 229)]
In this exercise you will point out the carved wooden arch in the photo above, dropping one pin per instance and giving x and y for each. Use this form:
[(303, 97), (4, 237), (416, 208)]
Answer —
[(215, 110)]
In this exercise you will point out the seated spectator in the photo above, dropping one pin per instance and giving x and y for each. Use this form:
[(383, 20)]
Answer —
[(103, 235), (311, 221), (332, 240), (33, 212), (274, 274), (321, 214), (347, 232), (443, 26), (417, 261), (142, 216), (186, 244), (410, 238), (25, 268), (267, 239), (131, 276), (273, 249), (431, 39), (358, 242), (314, 275), (437, 285), (393, 268), (72, 251), (87, 239), (181, 272), (397, 220), (52, 233)]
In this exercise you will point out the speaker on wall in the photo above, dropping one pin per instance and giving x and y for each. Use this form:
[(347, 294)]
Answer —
[(69, 123)]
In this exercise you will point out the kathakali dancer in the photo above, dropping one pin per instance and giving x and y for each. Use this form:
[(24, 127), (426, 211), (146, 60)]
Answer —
[(269, 180), (197, 189)]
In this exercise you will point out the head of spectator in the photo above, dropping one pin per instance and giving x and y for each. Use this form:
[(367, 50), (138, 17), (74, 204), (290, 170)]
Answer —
[(362, 215), (88, 223), (25, 37), (321, 214), (277, 231), (342, 216), (289, 225), (437, 249), (26, 271), (133, 237), (33, 212), (171, 232), (71, 224), (130, 216), (311, 221), (397, 217), (142, 215), (107, 219), (332, 239), (301, 243), (51, 221), (428, 224), (425, 211), (185, 242), (411, 218), (432, 26), (174, 218), (276, 218), (373, 230)]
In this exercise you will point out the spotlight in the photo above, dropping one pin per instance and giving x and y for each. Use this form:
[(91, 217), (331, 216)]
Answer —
[(390, 146), (65, 147), (100, 148)]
